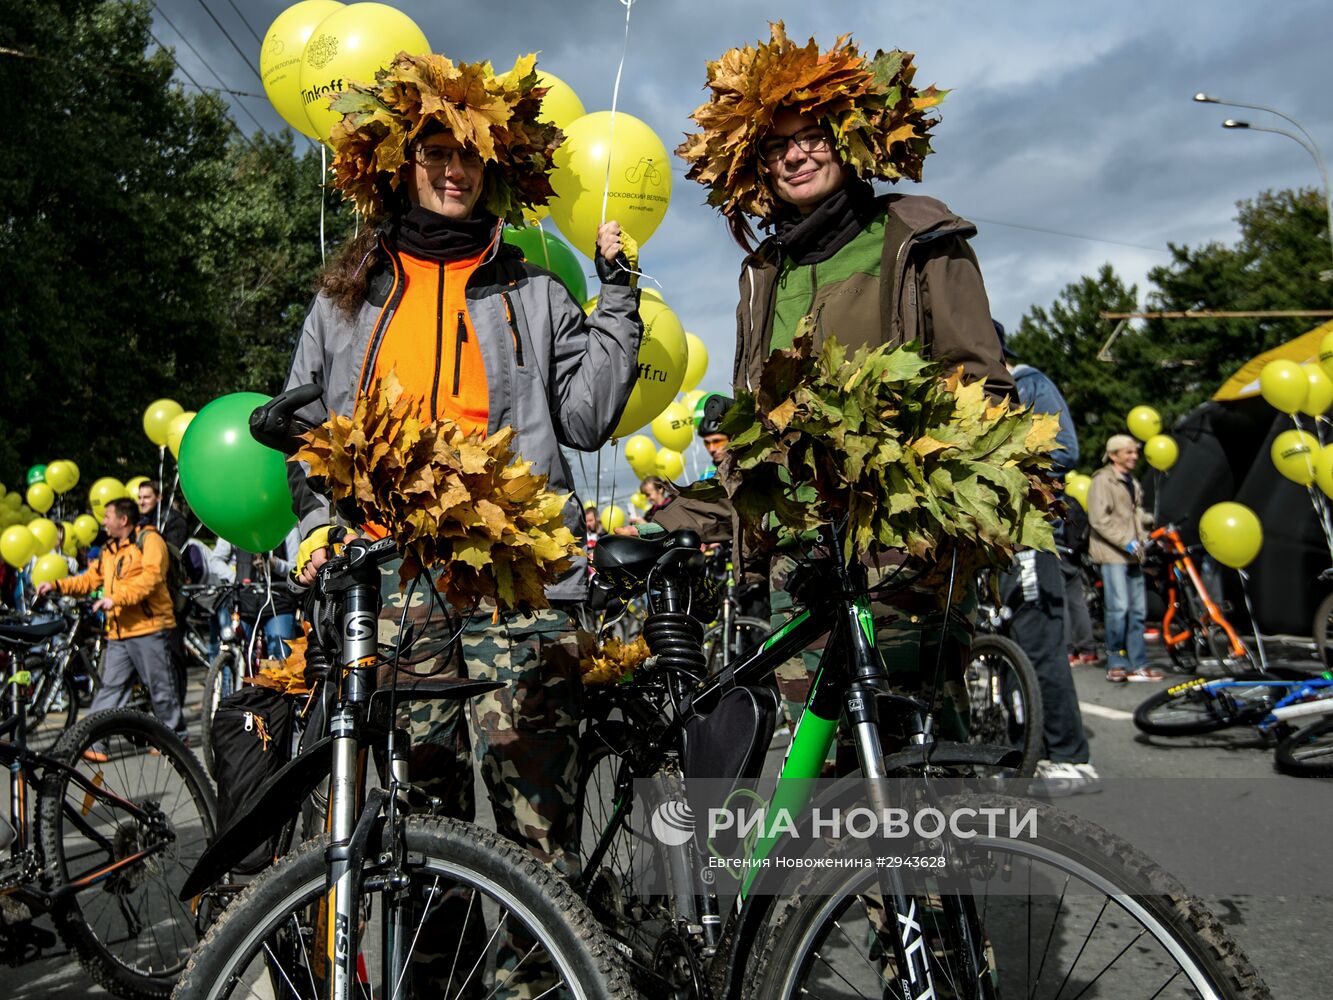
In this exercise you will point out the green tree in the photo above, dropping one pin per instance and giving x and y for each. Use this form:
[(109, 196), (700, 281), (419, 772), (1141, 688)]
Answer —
[(1063, 341)]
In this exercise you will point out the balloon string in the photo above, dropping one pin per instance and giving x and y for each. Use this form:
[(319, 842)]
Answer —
[(1316, 495), (161, 466), (615, 100), (546, 249), (1254, 623), (323, 175)]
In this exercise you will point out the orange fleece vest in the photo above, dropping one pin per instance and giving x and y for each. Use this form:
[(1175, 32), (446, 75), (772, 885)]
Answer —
[(431, 345)]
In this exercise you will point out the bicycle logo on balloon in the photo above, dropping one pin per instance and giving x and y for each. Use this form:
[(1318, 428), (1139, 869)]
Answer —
[(646, 170)]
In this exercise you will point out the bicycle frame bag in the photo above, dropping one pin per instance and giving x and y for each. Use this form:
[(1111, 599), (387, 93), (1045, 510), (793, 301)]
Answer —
[(252, 739), (724, 751)]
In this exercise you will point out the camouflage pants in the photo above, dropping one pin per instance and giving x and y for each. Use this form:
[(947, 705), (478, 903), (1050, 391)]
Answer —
[(524, 737)]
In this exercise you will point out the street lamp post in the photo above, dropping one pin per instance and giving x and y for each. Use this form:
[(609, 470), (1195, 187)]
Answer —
[(1305, 139)]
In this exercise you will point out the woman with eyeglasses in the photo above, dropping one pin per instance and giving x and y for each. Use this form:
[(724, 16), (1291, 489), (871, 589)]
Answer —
[(791, 140)]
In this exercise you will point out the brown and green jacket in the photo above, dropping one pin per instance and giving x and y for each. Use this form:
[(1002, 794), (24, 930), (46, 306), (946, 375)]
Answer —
[(909, 275)]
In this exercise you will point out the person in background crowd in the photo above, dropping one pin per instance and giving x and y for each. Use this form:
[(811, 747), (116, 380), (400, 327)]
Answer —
[(1034, 589), (271, 606), (131, 573), (170, 522), (1119, 530)]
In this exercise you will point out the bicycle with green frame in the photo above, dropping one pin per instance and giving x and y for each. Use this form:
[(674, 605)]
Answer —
[(1008, 914)]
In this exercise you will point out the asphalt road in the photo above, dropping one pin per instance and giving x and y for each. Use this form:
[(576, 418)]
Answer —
[(1245, 846)]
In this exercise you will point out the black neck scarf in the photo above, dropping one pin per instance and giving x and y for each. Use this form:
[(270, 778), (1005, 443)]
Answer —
[(814, 238), (430, 236)]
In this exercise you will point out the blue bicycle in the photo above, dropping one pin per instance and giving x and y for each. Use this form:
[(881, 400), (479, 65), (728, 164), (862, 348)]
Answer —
[(1264, 700)]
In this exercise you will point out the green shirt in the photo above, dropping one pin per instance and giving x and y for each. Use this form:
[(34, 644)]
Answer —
[(797, 282)]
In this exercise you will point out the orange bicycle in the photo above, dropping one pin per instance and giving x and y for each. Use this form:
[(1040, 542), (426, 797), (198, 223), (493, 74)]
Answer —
[(1194, 628)]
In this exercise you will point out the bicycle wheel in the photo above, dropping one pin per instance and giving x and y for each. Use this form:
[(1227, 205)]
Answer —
[(1308, 752), (270, 941), (1197, 707), (746, 633), (1322, 629), (1071, 910), (1206, 648), (124, 922), (638, 889), (1005, 699), (223, 678)]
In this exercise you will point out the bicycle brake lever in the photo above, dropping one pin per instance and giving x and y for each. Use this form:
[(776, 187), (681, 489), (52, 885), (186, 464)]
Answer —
[(275, 424)]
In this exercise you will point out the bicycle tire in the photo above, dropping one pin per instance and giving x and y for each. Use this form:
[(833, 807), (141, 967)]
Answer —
[(820, 916), (222, 679), (1187, 710), (232, 952), (1321, 629), (750, 632), (1006, 709), (98, 923), (640, 889), (1308, 752)]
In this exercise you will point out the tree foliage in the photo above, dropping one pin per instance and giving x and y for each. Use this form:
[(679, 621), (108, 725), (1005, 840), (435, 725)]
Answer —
[(1174, 365), (149, 249)]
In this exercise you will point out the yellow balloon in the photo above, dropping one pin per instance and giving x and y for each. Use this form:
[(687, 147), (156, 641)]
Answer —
[(41, 497), (1144, 422), (62, 475), (1284, 385), (670, 464), (640, 179), (157, 419), (639, 500), (1293, 454), (673, 427), (662, 354), (70, 542), (561, 106), (348, 47), (1326, 354), (691, 399), (176, 431), (50, 568), (45, 532), (1319, 396), (104, 491), (280, 59), (1161, 451), (1323, 469), (17, 545), (132, 485), (696, 362), (641, 454), (1231, 533), (86, 528), (13, 500), (1078, 489), (612, 517)]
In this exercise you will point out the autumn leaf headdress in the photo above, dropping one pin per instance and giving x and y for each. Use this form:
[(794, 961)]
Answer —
[(494, 115), (877, 118)]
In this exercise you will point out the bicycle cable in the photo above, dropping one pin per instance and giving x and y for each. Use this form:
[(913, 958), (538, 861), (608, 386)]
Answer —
[(939, 650)]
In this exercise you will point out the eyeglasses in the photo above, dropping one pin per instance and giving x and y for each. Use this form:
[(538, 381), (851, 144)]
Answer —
[(809, 140), (442, 156)]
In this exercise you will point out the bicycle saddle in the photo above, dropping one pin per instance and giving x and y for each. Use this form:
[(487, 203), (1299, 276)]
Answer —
[(30, 633), (627, 556)]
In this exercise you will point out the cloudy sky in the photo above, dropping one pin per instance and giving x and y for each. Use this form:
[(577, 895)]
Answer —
[(1069, 137)]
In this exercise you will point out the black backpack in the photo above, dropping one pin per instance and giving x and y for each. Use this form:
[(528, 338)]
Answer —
[(252, 739), (177, 577)]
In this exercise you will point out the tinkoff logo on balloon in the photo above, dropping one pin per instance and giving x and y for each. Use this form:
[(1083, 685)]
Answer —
[(319, 51), (315, 93), (673, 823), (648, 373)]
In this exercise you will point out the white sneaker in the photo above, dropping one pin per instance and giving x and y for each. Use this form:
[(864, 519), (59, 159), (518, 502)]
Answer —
[(1058, 779)]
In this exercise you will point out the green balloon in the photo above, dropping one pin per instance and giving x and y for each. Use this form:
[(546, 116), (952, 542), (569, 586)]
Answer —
[(37, 474), (236, 486), (553, 253)]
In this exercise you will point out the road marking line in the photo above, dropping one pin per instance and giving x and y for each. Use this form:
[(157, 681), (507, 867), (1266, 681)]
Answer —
[(1101, 711)]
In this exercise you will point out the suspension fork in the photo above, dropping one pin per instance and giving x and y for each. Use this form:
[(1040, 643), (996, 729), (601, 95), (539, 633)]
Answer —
[(359, 630)]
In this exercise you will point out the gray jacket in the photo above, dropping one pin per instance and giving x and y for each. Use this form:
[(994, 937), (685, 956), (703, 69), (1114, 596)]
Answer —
[(556, 376)]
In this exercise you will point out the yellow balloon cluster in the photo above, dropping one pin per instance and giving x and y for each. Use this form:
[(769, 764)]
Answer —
[(280, 59)]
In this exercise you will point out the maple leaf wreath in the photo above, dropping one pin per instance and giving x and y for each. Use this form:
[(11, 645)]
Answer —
[(877, 118), (494, 115)]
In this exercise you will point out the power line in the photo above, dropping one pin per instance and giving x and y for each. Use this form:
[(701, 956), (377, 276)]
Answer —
[(227, 35), (119, 71), (1072, 236), (188, 76), (207, 65), (245, 21)]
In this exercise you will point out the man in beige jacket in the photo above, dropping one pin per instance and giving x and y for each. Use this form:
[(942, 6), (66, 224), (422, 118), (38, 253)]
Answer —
[(1119, 534)]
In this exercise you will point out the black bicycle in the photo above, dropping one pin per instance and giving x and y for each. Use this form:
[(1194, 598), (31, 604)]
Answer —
[(965, 910), (392, 901), (106, 826), (57, 677)]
